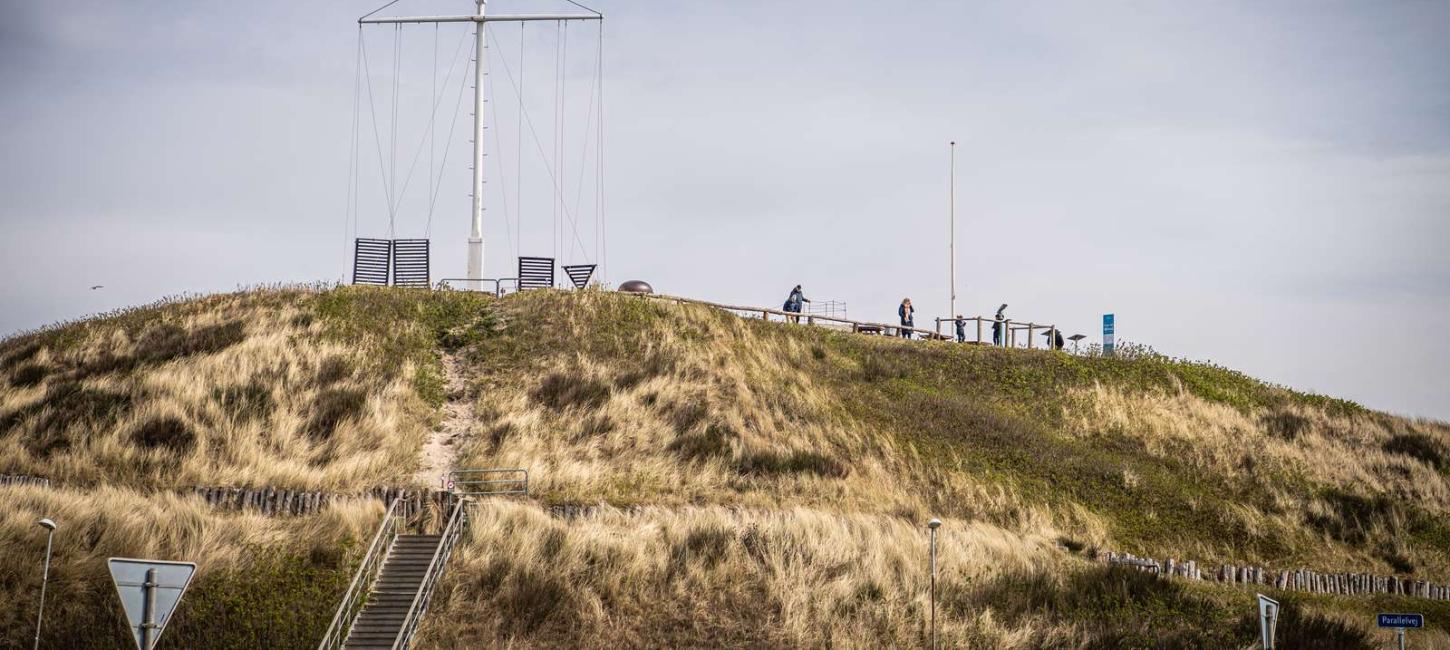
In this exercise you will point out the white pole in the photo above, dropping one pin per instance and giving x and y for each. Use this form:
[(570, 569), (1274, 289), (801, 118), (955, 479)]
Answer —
[(475, 236), (44, 578), (952, 247)]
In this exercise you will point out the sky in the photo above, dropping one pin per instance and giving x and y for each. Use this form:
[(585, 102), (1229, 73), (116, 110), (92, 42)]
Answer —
[(1261, 185)]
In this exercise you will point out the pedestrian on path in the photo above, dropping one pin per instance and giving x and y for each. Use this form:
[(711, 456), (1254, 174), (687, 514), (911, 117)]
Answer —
[(997, 324), (793, 304), (961, 329), (908, 317)]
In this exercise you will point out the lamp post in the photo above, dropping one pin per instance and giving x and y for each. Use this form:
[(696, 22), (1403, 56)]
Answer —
[(933, 525), (49, 526)]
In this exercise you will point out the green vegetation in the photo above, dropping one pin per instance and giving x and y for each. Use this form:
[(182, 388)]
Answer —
[(761, 484)]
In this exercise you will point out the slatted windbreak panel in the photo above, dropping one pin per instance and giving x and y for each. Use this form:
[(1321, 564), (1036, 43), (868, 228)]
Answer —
[(410, 263), (536, 273), (579, 274), (371, 261)]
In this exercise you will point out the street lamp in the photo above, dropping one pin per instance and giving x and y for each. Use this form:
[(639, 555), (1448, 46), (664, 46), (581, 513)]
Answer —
[(933, 525), (49, 526)]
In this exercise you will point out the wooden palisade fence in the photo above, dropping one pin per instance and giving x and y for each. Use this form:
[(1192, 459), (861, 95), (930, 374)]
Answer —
[(1305, 580)]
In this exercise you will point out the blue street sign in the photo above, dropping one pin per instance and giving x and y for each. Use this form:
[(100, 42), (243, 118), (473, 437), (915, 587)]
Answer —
[(1402, 620), (1108, 334)]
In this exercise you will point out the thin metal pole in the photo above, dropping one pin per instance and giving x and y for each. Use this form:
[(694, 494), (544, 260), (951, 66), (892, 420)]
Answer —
[(148, 611), (475, 235), (44, 577), (952, 247), (933, 589), (1402, 638)]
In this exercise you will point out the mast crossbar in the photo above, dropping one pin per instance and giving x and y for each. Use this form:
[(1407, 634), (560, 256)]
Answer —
[(476, 19)]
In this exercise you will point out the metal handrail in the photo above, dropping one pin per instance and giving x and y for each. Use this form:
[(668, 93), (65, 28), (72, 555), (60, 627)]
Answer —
[(356, 595), (456, 524), (498, 284), (463, 485), (810, 319)]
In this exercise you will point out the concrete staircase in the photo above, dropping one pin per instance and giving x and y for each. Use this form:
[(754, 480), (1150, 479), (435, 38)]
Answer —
[(382, 619)]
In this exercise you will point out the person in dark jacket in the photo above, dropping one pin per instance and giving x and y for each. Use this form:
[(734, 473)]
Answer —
[(961, 329), (1056, 339), (908, 317), (793, 304), (997, 325)]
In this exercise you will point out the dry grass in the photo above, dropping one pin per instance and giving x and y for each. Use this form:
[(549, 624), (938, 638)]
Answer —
[(237, 389), (108, 522), (714, 576)]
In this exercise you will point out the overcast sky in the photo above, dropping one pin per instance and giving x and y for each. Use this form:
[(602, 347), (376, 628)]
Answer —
[(1263, 185)]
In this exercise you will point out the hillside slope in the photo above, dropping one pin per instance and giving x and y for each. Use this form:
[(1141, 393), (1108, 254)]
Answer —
[(751, 483)]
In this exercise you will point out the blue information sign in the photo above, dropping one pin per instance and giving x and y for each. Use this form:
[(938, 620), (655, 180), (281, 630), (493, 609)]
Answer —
[(1402, 620), (1108, 334)]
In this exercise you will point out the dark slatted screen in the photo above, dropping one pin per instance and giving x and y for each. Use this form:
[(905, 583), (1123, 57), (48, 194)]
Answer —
[(536, 273), (370, 261), (579, 274), (410, 263)]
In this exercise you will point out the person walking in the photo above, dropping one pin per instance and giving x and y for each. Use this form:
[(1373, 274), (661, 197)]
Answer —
[(961, 329), (997, 324), (793, 304), (908, 317)]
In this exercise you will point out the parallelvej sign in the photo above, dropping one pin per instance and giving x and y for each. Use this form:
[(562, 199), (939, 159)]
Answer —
[(1402, 620)]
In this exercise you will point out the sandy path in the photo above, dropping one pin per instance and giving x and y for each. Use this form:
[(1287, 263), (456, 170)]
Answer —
[(441, 451)]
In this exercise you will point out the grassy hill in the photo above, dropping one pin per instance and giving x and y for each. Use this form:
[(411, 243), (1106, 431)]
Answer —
[(756, 484)]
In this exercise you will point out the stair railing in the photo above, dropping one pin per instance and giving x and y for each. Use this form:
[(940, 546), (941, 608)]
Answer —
[(362, 581), (456, 525)]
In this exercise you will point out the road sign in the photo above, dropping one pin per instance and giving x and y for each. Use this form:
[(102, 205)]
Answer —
[(149, 591), (1108, 330), (1268, 619), (1402, 620)]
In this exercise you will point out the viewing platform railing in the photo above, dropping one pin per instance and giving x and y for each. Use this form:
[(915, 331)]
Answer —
[(867, 327)]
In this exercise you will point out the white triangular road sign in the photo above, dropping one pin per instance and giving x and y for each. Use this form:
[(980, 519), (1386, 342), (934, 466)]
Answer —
[(169, 583)]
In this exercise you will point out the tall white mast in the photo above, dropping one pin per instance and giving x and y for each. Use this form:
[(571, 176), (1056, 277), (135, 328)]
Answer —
[(952, 245), (475, 235)]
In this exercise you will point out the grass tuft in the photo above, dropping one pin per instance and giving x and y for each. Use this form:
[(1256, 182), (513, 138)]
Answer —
[(331, 408), (168, 433), (561, 391)]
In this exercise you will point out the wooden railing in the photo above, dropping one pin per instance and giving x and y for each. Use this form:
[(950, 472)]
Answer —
[(860, 326), (357, 592)]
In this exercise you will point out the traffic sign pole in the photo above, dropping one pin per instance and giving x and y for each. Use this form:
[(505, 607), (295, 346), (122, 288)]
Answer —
[(148, 611)]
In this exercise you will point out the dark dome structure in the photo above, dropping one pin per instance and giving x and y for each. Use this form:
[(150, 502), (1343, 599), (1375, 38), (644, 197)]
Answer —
[(636, 286)]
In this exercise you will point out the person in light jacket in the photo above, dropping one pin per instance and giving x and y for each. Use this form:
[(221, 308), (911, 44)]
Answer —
[(908, 317), (793, 304)]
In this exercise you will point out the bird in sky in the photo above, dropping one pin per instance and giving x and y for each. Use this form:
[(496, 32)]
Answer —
[(99, 286)]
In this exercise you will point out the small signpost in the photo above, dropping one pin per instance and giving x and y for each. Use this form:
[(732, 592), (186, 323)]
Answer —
[(1268, 619), (1400, 622), (149, 591), (1108, 335)]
